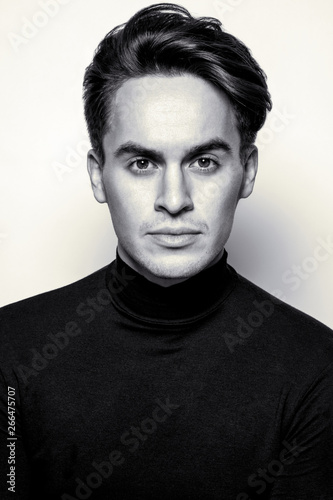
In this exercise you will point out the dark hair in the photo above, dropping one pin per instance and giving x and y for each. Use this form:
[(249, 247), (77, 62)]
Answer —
[(165, 39)]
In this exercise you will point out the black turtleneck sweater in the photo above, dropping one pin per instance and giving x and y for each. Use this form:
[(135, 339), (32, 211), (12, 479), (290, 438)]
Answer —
[(208, 389)]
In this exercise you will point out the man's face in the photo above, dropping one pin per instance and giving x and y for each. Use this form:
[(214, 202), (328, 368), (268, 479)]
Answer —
[(172, 175)]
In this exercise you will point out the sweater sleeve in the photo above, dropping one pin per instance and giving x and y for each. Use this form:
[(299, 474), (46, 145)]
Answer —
[(304, 468)]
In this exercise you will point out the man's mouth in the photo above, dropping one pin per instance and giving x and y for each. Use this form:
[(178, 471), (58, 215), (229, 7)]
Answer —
[(175, 230), (175, 237)]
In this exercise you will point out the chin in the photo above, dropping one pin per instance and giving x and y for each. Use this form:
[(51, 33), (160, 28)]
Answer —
[(173, 267)]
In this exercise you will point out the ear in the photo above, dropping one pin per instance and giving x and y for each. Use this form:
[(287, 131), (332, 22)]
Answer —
[(250, 171), (95, 169)]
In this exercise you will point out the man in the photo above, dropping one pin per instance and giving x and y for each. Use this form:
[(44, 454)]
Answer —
[(166, 375)]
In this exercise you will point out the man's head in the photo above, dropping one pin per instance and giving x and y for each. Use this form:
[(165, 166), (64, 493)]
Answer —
[(173, 105)]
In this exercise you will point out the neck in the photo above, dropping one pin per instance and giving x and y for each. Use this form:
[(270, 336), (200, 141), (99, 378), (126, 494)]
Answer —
[(164, 282), (141, 299)]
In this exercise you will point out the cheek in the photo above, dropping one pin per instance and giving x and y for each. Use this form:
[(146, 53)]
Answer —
[(218, 198), (127, 204), (116, 201)]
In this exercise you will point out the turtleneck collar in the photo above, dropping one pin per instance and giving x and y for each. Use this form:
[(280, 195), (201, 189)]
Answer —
[(185, 302)]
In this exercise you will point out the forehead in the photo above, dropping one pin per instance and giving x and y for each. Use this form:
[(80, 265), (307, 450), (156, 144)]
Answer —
[(171, 111)]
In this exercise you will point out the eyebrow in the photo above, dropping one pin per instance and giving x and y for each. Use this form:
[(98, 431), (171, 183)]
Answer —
[(136, 149)]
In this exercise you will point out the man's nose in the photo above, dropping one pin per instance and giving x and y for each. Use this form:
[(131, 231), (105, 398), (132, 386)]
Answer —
[(173, 191)]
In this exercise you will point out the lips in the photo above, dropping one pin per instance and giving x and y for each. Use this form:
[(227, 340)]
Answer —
[(175, 237), (175, 231)]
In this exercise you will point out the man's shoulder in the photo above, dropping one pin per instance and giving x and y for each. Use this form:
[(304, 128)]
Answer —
[(251, 294), (275, 327), (54, 306)]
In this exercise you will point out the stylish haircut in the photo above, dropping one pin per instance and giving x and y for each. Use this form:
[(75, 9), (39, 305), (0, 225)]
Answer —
[(164, 39)]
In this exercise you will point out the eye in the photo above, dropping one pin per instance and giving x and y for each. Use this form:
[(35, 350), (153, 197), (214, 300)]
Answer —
[(205, 163), (141, 165)]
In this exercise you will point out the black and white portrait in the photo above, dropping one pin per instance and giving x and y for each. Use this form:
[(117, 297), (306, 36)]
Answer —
[(167, 250)]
